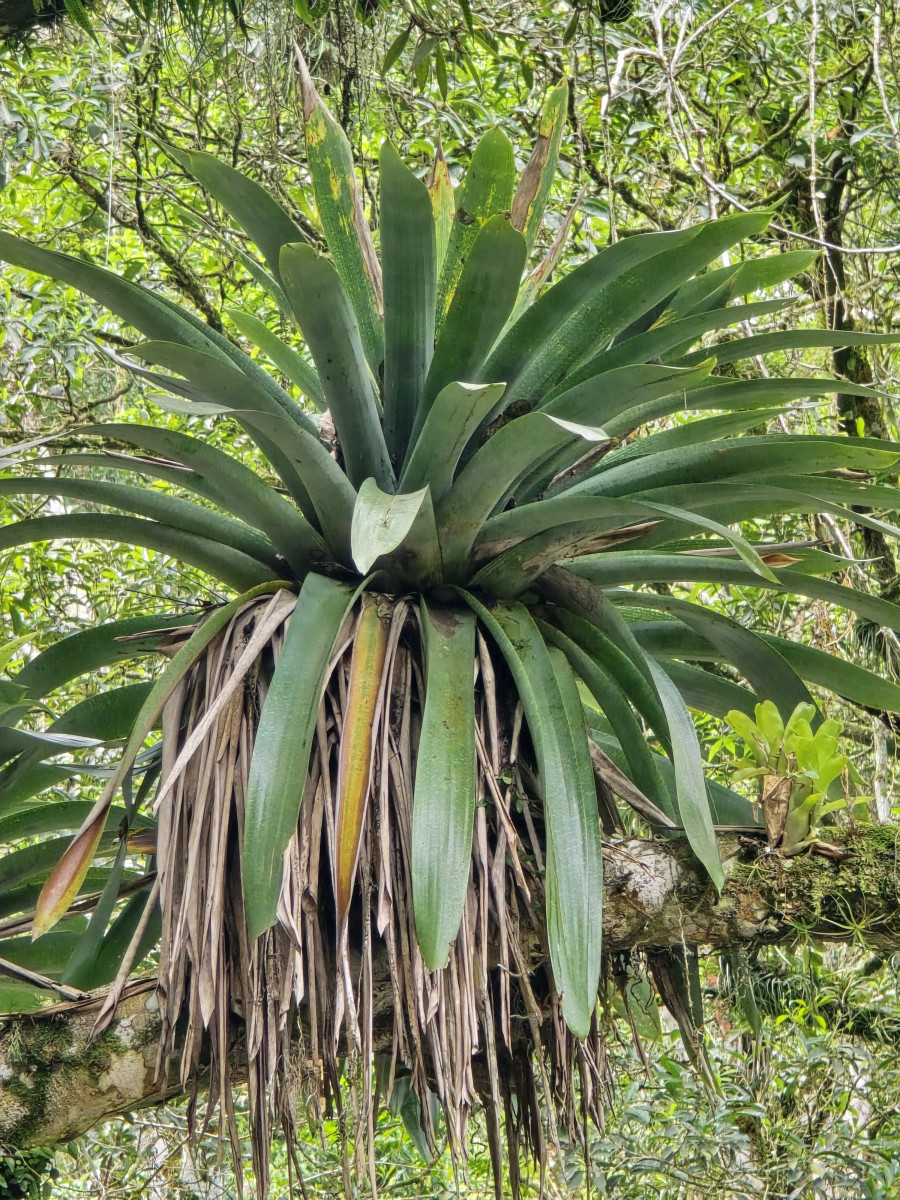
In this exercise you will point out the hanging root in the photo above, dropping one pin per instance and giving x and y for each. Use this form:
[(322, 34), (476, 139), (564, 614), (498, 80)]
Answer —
[(338, 1009)]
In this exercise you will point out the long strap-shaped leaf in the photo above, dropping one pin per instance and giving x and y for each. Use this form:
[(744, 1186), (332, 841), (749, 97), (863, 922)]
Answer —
[(153, 316), (690, 782), (630, 677), (616, 706), (452, 420), (301, 373), (357, 750), (331, 495), (330, 160), (254, 209), (486, 190), (228, 483), (148, 502), (444, 800), (492, 474), (66, 878), (99, 646), (660, 338), (613, 570), (534, 187), (574, 879), (749, 456), (330, 327), (511, 572), (232, 567), (767, 671), (792, 339), (410, 279), (484, 298), (281, 751), (601, 298), (708, 692)]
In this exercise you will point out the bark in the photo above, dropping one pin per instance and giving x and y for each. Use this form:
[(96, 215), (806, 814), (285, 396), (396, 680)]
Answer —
[(55, 1082)]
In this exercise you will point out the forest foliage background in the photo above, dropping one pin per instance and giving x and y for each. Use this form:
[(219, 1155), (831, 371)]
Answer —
[(678, 112)]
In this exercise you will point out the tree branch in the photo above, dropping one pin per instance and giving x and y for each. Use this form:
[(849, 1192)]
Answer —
[(55, 1082)]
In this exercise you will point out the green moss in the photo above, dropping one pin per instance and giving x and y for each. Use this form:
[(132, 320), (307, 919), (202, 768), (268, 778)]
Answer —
[(856, 897), (34, 1050), (37, 1050), (98, 1055)]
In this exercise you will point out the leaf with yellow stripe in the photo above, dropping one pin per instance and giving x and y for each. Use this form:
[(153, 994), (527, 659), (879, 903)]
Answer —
[(486, 191), (440, 189), (357, 748), (330, 160)]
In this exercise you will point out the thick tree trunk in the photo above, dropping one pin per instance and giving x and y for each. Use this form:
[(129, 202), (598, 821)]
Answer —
[(55, 1082)]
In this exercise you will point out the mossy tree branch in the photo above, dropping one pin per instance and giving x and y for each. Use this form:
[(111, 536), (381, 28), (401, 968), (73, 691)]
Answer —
[(55, 1082)]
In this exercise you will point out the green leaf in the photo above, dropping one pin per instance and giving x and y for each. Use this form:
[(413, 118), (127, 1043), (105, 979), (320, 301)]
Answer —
[(444, 801), (47, 956), (631, 679), (745, 457), (53, 817), (601, 298), (568, 526), (692, 433), (254, 209), (765, 668), (104, 966), (657, 341), (286, 359), (574, 872), (81, 17), (17, 996), (153, 316), (613, 702), (381, 522), (492, 473), (630, 567), (792, 339), (443, 206), (396, 48), (331, 495), (35, 862), (408, 251), (226, 482), (154, 504), (837, 674), (283, 742), (338, 199), (708, 692), (328, 323), (755, 274), (486, 190), (210, 378), (230, 567), (10, 649), (452, 420), (440, 70), (533, 192), (102, 645), (484, 297), (690, 782)]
